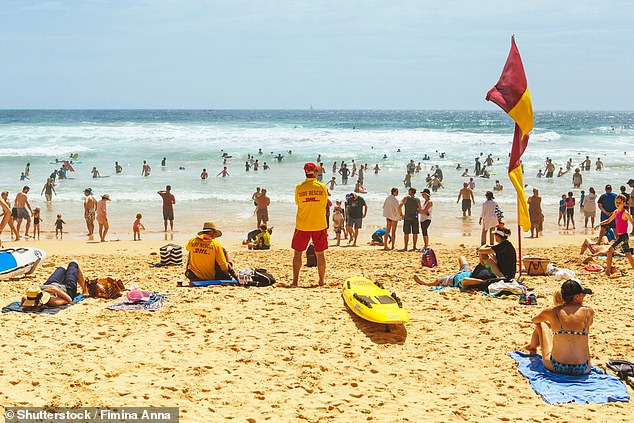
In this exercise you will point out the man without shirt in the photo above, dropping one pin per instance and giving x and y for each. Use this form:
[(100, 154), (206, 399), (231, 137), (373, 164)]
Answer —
[(467, 199), (262, 208), (168, 206), (21, 204)]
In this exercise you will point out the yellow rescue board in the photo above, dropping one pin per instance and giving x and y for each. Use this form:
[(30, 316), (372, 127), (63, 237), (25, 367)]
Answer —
[(373, 303)]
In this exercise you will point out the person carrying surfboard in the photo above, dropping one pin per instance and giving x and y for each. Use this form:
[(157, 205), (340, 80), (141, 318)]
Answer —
[(311, 197)]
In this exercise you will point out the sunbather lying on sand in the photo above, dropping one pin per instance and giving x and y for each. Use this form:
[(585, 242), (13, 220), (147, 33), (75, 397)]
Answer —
[(59, 289), (597, 249), (463, 278)]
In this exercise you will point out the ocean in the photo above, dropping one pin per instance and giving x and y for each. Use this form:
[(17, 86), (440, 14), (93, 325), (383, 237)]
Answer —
[(191, 140)]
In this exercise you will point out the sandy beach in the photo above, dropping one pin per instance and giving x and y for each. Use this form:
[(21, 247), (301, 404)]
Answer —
[(282, 354)]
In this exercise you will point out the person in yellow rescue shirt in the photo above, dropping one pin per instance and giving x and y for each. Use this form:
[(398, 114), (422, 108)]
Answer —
[(207, 259), (311, 198)]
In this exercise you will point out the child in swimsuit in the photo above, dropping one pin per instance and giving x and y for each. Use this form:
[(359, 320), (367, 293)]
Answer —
[(137, 226), (36, 222), (59, 225), (562, 210), (565, 350)]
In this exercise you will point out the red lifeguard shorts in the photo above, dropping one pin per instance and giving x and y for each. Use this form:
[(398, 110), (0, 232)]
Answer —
[(302, 238)]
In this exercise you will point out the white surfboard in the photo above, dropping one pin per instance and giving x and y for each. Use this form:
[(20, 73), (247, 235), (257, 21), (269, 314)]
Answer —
[(19, 261)]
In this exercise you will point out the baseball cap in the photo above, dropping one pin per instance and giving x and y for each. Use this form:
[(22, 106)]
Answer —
[(309, 167), (572, 287), (630, 182)]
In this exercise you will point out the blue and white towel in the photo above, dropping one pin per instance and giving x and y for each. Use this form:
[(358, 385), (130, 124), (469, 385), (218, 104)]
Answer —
[(555, 388)]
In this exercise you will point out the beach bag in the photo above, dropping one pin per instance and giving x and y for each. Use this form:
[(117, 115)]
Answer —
[(311, 257), (108, 288), (535, 266), (255, 277), (428, 258), (171, 255), (507, 287)]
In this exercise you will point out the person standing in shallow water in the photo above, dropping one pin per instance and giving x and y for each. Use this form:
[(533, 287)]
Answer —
[(168, 206), (535, 213), (467, 199), (90, 212)]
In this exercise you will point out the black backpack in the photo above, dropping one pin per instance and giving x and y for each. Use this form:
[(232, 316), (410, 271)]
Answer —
[(255, 277), (311, 257)]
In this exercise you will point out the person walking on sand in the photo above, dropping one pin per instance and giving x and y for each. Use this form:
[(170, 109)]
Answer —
[(355, 213), (535, 213), (467, 199), (607, 206), (90, 212), (488, 218), (6, 218), (311, 198), (22, 209), (408, 209), (168, 206), (262, 208), (392, 216), (102, 217)]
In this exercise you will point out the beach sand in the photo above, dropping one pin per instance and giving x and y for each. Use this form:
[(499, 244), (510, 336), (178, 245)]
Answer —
[(281, 354)]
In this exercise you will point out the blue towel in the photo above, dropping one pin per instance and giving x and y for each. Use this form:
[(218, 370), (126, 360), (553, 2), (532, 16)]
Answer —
[(556, 388), (46, 310)]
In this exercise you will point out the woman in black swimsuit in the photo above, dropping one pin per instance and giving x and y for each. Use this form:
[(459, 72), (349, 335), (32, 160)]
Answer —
[(565, 350)]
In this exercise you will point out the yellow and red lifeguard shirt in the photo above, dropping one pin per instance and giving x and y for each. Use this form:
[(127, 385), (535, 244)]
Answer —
[(311, 198), (204, 253)]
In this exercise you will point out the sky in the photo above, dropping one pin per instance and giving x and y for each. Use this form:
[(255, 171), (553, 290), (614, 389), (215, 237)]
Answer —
[(291, 54)]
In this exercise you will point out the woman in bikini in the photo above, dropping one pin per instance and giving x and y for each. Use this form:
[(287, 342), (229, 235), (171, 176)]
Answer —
[(565, 350)]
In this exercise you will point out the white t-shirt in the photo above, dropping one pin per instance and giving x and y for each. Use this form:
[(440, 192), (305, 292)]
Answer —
[(390, 208), (488, 216), (590, 203), (423, 217)]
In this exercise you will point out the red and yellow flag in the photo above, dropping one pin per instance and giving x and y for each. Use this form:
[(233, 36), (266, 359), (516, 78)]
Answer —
[(512, 95)]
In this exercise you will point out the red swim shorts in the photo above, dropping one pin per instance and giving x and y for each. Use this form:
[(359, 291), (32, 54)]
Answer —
[(302, 238)]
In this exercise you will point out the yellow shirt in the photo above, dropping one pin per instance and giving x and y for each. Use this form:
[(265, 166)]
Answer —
[(264, 238), (204, 253), (311, 198)]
